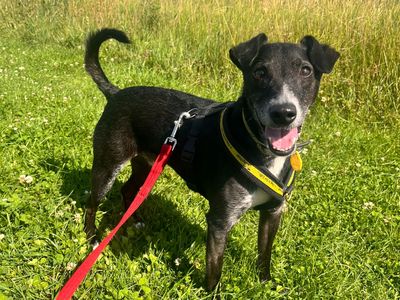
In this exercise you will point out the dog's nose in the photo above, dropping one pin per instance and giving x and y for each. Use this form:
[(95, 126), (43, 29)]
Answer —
[(283, 114)]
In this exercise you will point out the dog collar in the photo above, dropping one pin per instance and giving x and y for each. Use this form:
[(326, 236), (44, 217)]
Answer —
[(262, 177), (261, 146)]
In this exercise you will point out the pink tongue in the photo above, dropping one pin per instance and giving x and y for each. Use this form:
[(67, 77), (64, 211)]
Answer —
[(282, 139)]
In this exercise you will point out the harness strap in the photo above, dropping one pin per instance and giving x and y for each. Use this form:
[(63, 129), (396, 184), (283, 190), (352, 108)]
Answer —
[(189, 148), (196, 125)]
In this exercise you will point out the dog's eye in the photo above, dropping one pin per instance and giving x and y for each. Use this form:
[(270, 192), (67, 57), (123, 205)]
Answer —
[(259, 73), (305, 71)]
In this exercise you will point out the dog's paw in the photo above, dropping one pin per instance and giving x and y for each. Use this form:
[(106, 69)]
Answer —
[(138, 222), (95, 245), (139, 225), (275, 286)]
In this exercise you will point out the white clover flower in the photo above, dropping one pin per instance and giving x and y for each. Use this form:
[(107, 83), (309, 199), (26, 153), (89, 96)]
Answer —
[(387, 220), (77, 218), (25, 179), (177, 262), (71, 266), (368, 205)]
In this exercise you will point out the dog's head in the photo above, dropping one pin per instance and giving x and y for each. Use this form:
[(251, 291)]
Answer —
[(281, 81)]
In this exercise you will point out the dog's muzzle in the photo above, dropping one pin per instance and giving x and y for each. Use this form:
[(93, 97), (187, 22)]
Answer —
[(281, 136)]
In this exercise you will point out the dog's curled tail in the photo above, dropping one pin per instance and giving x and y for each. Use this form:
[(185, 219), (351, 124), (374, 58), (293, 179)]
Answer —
[(92, 64)]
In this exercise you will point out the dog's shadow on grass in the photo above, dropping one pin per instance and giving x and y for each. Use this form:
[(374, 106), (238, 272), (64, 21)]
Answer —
[(166, 228), (168, 233)]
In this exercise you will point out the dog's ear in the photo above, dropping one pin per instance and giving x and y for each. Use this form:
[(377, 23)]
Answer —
[(243, 54), (322, 57)]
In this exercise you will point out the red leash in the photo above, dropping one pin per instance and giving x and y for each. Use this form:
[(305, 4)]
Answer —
[(72, 284), (166, 150)]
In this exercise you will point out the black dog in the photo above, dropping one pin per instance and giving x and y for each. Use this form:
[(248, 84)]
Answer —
[(237, 155)]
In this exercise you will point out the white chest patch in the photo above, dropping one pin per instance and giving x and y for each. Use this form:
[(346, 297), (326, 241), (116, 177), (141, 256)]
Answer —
[(259, 196), (277, 165)]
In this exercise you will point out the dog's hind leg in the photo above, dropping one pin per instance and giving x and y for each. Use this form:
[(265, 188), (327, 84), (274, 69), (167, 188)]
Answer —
[(140, 169), (111, 152), (102, 180), (268, 226)]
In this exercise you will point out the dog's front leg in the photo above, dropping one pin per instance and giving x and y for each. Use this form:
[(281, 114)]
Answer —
[(267, 228), (216, 242), (219, 223)]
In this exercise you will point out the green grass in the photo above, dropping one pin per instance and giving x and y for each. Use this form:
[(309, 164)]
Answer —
[(339, 238)]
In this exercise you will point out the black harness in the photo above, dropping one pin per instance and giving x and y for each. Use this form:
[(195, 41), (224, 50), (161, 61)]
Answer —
[(258, 174)]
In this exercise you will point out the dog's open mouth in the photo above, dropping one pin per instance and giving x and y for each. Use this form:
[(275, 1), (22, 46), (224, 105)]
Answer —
[(282, 141)]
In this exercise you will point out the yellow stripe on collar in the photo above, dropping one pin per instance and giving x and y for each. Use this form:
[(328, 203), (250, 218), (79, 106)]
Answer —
[(249, 167), (291, 178)]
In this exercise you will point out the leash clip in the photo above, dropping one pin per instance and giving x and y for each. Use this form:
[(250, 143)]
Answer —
[(178, 123)]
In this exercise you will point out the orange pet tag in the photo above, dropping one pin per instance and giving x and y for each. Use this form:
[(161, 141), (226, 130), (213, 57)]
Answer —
[(296, 162)]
